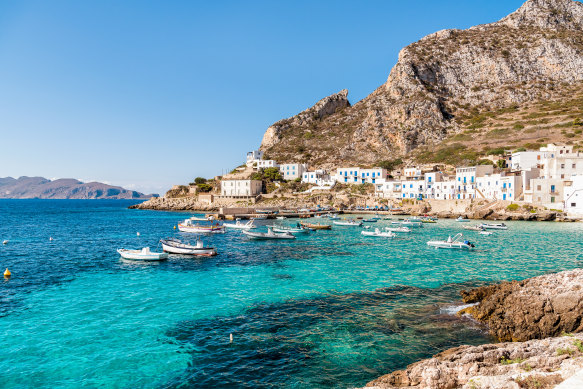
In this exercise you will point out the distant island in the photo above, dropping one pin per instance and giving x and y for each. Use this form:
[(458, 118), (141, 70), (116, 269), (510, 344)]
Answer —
[(64, 188)]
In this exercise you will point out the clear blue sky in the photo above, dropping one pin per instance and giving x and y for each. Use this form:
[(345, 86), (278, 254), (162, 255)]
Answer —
[(146, 94)]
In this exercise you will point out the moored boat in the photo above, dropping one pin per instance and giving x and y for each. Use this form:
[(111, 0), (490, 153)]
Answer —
[(370, 220), (239, 225), (318, 226), (175, 246), (348, 223), (268, 235), (398, 229), (292, 230), (187, 226), (455, 243), (462, 220), (498, 226), (142, 255), (379, 233), (474, 228)]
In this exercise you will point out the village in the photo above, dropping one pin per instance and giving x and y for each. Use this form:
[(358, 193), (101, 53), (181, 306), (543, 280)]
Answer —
[(551, 177)]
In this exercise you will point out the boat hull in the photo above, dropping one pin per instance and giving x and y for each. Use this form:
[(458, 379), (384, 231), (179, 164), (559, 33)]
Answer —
[(136, 255), (203, 252), (446, 245), (264, 236), (200, 229)]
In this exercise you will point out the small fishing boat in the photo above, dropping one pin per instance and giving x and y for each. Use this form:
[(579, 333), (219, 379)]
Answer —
[(498, 226), (318, 226), (175, 246), (410, 223), (398, 229), (239, 225), (428, 221), (379, 233), (268, 235), (462, 220), (455, 243), (202, 218), (371, 220), (474, 228), (332, 216), (348, 223), (298, 229), (142, 255), (187, 226)]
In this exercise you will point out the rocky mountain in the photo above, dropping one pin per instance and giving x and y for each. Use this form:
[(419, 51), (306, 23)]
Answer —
[(65, 188), (449, 83)]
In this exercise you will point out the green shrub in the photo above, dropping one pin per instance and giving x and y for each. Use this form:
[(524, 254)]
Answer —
[(199, 180), (512, 207), (506, 361)]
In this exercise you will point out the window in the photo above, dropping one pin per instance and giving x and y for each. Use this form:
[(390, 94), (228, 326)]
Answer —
[(574, 165), (562, 176), (552, 189), (538, 187), (562, 166), (429, 179), (552, 199), (573, 204)]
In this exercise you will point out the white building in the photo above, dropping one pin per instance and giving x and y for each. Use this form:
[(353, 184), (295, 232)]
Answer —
[(499, 187), (431, 179), (525, 160), (547, 192), (442, 190), (254, 156), (266, 163), (573, 196), (412, 173), (388, 189), (291, 171), (356, 175), (560, 162), (413, 189), (241, 188), (317, 177), (465, 178)]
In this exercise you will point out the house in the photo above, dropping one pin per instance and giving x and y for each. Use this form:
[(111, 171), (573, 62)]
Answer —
[(254, 156), (430, 179), (499, 187), (573, 196), (291, 171), (388, 189), (356, 175), (560, 162), (465, 178), (241, 188), (525, 160), (318, 177), (413, 189), (547, 192), (266, 163), (412, 173), (442, 190)]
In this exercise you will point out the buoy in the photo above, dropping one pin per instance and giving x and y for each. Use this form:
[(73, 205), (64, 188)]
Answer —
[(174, 227), (7, 274), (51, 238), (137, 233), (230, 335), (5, 242)]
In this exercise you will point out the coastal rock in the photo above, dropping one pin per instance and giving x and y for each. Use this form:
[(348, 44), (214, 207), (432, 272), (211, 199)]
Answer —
[(533, 364), (535, 308)]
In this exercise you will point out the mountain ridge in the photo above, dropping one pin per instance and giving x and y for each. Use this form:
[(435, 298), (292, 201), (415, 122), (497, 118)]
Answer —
[(532, 55), (64, 188)]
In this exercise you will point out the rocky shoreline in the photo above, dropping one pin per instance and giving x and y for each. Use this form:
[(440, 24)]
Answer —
[(539, 319)]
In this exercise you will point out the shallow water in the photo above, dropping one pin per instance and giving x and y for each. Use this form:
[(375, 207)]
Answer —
[(331, 309)]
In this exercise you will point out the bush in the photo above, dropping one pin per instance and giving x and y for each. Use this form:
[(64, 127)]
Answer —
[(390, 164), (501, 163), (204, 187), (199, 180), (512, 207)]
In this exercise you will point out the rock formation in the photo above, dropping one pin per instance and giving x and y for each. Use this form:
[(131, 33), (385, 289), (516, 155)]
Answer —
[(530, 55)]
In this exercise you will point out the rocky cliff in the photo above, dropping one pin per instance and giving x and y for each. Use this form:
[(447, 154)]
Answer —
[(67, 188), (439, 86)]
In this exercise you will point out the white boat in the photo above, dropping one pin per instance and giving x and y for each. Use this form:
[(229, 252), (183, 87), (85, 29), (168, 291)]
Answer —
[(260, 217), (371, 220), (202, 218), (462, 220), (398, 229), (474, 228), (174, 246), (292, 230), (455, 243), (498, 226), (409, 223), (281, 218), (379, 233), (187, 226), (142, 255), (239, 225), (486, 233), (268, 235), (352, 223)]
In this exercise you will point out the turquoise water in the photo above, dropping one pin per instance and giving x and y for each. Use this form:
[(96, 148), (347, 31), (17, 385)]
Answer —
[(331, 309)]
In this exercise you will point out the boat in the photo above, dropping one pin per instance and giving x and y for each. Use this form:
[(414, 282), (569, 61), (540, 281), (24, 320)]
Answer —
[(398, 229), (462, 220), (187, 226), (486, 233), (239, 225), (268, 235), (332, 216), (410, 223), (474, 228), (280, 217), (379, 233), (292, 230), (455, 243), (260, 217), (318, 226), (348, 223), (371, 220), (142, 255), (202, 218), (498, 226), (175, 246)]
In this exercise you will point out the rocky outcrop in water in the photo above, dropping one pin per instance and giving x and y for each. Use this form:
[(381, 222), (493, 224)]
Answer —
[(534, 54), (535, 308)]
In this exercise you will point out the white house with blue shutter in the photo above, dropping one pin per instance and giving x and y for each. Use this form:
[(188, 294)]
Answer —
[(465, 178), (318, 177), (356, 175), (499, 187), (291, 171)]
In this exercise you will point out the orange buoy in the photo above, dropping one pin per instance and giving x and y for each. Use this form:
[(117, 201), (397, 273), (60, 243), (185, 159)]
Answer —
[(7, 273), (174, 227)]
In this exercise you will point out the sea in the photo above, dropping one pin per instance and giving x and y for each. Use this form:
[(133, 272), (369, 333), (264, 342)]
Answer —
[(332, 309)]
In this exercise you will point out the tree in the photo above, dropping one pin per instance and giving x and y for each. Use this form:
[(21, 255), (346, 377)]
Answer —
[(390, 164), (199, 180), (204, 187), (501, 163), (272, 174)]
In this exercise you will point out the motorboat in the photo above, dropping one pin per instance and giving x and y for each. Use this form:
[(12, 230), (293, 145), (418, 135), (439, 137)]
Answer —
[(486, 233), (348, 223), (398, 229), (370, 220), (187, 226), (202, 218), (142, 255), (332, 216), (411, 223), (462, 220), (313, 226), (474, 228), (379, 233), (175, 246), (270, 234), (239, 225), (498, 226), (292, 230), (456, 242), (280, 217)]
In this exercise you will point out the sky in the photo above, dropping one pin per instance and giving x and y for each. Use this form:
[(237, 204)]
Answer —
[(148, 94)]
